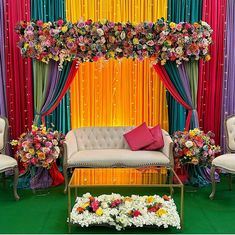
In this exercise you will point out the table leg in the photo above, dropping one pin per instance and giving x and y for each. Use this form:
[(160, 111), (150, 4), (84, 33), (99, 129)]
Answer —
[(182, 206), (69, 209)]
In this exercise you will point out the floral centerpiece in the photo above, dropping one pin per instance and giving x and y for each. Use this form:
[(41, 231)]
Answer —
[(38, 147), (37, 151), (121, 212), (195, 147)]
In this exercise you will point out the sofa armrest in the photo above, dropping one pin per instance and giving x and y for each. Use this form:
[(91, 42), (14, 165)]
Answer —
[(70, 145), (168, 147)]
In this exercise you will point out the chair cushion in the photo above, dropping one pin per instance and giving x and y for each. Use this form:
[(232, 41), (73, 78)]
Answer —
[(139, 137), (7, 162), (158, 139), (117, 157), (225, 161)]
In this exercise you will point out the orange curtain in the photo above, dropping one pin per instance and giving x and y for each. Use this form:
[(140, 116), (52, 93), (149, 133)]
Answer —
[(115, 93)]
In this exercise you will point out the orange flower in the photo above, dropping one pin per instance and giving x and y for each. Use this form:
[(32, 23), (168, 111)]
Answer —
[(166, 198), (41, 156), (80, 210)]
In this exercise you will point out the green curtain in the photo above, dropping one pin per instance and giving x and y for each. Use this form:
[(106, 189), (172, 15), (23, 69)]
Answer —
[(190, 11), (50, 11)]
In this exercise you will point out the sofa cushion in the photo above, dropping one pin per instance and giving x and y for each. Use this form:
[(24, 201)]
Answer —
[(117, 157), (139, 137), (158, 139)]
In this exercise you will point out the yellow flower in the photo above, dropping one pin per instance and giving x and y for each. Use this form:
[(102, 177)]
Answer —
[(34, 128), (161, 212), (150, 199), (163, 62), (56, 58), (196, 25), (64, 29), (112, 54), (45, 25), (194, 161), (135, 41), (31, 151), (207, 58), (99, 211), (172, 25), (14, 142), (85, 205), (26, 45), (103, 21)]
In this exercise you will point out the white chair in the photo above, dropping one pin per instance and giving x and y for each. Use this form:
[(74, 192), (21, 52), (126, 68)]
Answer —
[(225, 162), (7, 162)]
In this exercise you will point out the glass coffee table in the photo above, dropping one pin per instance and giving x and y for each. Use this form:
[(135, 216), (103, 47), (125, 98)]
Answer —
[(125, 177)]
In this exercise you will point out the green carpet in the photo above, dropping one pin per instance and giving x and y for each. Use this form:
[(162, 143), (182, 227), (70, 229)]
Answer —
[(47, 213)]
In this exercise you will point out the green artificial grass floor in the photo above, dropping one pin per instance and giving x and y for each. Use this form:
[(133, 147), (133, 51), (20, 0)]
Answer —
[(35, 213)]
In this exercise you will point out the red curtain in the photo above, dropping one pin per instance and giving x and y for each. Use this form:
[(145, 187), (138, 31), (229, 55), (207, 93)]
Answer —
[(18, 71), (211, 73)]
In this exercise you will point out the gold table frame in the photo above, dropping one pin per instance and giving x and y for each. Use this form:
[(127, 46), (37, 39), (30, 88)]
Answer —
[(79, 180)]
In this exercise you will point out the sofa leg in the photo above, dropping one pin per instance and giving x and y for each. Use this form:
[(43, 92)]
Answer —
[(65, 179)]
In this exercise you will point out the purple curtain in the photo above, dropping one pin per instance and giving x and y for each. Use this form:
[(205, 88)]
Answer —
[(228, 97), (3, 110)]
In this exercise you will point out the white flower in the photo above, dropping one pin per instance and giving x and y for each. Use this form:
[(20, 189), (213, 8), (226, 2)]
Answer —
[(189, 144), (100, 32), (123, 35)]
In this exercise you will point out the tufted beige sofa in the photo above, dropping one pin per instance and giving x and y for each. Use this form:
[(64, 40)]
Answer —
[(106, 147)]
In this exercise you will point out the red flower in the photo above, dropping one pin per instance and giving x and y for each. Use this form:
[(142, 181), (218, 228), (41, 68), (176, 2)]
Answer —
[(95, 205), (88, 22), (136, 213)]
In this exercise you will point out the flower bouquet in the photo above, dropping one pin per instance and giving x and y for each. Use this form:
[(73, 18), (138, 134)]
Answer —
[(121, 212), (195, 147), (37, 150)]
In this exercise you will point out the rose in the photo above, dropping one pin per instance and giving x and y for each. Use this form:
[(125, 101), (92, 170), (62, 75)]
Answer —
[(189, 144)]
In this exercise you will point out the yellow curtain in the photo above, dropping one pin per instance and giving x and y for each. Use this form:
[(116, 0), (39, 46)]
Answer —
[(115, 93)]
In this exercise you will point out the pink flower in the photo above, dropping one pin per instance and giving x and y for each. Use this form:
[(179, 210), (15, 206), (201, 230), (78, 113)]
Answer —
[(34, 161), (48, 144), (39, 23), (60, 22), (95, 205), (37, 146)]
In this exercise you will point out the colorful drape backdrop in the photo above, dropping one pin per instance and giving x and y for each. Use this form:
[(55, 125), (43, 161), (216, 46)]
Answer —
[(50, 11), (110, 93), (187, 11), (211, 74), (228, 104), (3, 108), (18, 71)]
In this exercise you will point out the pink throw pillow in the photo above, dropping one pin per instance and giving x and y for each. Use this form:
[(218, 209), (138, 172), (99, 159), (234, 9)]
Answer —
[(158, 139), (139, 137)]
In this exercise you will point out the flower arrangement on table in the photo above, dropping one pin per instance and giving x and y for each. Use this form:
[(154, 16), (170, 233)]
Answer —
[(121, 212), (37, 151), (195, 146), (89, 41)]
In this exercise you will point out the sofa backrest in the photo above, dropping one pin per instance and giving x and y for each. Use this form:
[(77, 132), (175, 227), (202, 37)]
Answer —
[(101, 137)]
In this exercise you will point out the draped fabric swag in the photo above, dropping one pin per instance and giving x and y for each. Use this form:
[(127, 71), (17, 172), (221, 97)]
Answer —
[(51, 11), (187, 11), (114, 93)]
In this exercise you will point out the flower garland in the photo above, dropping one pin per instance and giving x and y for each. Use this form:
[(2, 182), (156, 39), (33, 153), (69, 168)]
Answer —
[(121, 212), (89, 41)]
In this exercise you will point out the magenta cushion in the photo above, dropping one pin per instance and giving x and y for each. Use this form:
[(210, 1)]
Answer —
[(158, 139), (139, 137)]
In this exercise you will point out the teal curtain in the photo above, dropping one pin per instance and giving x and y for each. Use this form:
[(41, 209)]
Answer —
[(178, 11), (51, 11)]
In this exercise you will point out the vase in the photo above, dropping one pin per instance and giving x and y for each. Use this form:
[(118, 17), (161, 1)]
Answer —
[(40, 180)]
